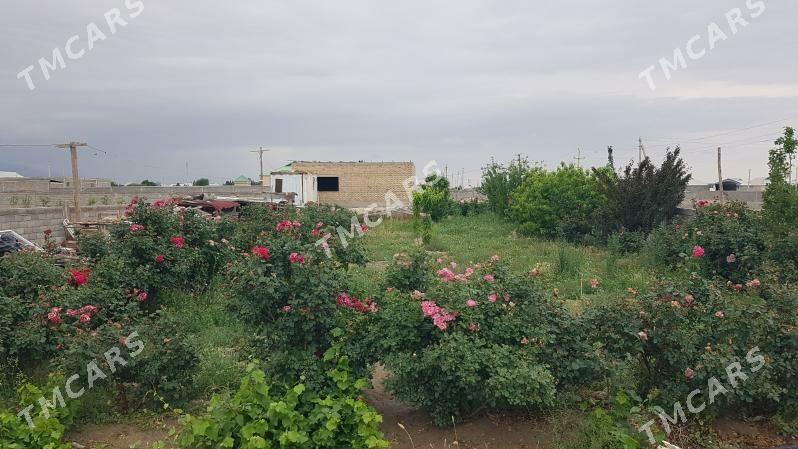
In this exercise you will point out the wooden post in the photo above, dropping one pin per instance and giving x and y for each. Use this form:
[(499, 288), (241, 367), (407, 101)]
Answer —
[(720, 179), (73, 154)]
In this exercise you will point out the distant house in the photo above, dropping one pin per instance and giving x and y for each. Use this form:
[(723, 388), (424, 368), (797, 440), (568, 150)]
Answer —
[(347, 184), (242, 181), (729, 185)]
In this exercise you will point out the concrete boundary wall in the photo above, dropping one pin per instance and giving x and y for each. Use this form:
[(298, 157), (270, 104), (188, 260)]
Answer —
[(32, 222), (46, 194)]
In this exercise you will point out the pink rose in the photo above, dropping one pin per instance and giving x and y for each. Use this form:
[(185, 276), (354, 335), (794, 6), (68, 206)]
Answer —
[(488, 278), (698, 252), (689, 374), (471, 303)]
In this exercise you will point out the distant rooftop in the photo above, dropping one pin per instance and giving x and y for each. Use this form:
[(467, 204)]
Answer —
[(10, 174)]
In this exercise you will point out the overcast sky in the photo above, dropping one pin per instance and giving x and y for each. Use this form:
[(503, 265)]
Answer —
[(186, 88)]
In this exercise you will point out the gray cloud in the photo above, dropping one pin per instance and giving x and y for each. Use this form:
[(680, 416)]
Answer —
[(457, 81)]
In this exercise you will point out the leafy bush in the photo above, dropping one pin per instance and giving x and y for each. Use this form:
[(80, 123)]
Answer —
[(288, 289), (94, 245), (730, 236), (434, 198), (47, 431), (263, 414), (26, 274), (160, 369), (337, 228), (473, 207), (558, 204), (409, 271), (643, 196), (479, 338), (499, 182), (689, 332)]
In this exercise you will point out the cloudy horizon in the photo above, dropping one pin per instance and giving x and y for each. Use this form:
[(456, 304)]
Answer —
[(186, 90)]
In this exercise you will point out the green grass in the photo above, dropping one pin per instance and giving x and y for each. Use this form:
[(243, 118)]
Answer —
[(564, 266), (217, 332)]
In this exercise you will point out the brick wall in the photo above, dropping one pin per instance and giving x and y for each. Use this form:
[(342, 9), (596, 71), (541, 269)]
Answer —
[(361, 184), (31, 223)]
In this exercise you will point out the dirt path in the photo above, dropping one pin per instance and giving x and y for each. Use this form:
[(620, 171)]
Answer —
[(489, 432)]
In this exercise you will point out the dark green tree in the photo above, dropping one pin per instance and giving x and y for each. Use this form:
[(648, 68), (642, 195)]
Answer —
[(643, 196), (202, 182)]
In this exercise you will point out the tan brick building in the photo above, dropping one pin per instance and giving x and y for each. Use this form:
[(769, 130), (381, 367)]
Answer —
[(347, 184)]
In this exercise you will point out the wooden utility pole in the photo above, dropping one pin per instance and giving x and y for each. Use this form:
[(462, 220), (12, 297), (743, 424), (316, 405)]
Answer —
[(641, 150), (260, 152), (73, 153), (720, 178), (579, 157)]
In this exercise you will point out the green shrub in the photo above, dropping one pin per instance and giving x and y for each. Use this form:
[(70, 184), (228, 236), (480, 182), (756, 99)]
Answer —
[(264, 414), (292, 302), (481, 338), (409, 271), (687, 332), (731, 236), (47, 431), (558, 204), (94, 245), (26, 274), (500, 181), (161, 369), (434, 198)]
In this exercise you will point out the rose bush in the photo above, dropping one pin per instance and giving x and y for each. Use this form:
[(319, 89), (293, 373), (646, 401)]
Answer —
[(479, 337), (688, 331)]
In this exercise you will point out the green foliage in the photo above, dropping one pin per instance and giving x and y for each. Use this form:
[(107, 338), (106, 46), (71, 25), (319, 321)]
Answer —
[(47, 430), (161, 369), (473, 207), (202, 182), (559, 204), (499, 182), (262, 414), (688, 332), (731, 236), (607, 428), (409, 271), (643, 196), (482, 338), (26, 274), (433, 198), (781, 198), (423, 227), (94, 245)]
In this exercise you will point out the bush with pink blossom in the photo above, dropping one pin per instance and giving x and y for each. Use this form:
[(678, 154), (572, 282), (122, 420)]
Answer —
[(477, 337)]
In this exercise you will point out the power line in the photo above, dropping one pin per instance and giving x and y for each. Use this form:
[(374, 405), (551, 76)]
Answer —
[(726, 133)]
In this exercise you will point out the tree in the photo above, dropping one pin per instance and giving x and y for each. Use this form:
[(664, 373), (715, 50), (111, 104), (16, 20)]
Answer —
[(781, 198), (643, 196), (201, 182), (499, 182), (558, 204), (229, 183), (433, 198), (145, 183)]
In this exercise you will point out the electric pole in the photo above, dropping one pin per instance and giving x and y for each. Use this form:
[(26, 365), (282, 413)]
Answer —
[(73, 153), (641, 151), (720, 178), (260, 152), (579, 157)]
